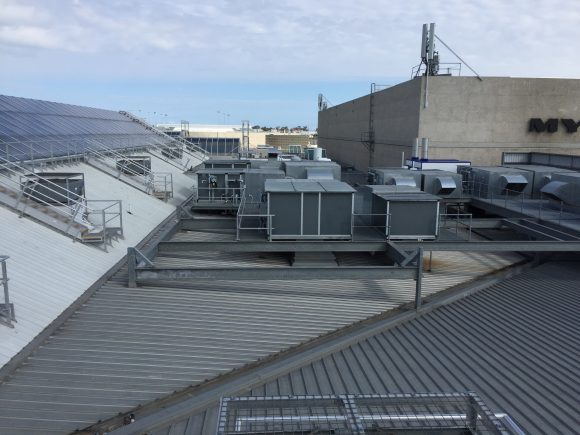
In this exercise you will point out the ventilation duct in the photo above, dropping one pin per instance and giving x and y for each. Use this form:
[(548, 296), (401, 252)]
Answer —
[(445, 185), (319, 174), (512, 183), (558, 190), (402, 180)]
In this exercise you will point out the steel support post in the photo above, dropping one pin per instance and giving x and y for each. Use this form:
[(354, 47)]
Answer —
[(131, 267), (8, 307), (419, 279)]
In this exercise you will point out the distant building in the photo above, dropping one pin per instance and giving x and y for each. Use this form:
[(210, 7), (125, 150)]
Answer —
[(282, 141), (462, 117)]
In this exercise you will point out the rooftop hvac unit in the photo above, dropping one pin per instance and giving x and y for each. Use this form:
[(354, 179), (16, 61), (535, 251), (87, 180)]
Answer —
[(564, 187), (495, 181), (441, 183), (255, 180), (394, 176), (319, 174), (59, 188), (542, 175), (404, 214), (135, 165), (219, 186), (310, 209), (451, 165), (298, 169), (225, 163)]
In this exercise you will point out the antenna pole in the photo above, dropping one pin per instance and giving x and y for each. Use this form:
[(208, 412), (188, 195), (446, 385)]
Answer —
[(458, 57)]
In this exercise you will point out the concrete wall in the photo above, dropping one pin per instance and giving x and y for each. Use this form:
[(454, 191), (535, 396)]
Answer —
[(465, 119), (396, 123), (478, 120)]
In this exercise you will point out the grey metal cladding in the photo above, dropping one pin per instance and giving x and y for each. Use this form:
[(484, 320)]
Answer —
[(333, 222), (310, 214), (515, 344), (409, 218), (287, 212)]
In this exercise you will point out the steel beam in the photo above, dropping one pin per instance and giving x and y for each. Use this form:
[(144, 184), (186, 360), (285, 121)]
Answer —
[(503, 246), (208, 224), (283, 273), (280, 246)]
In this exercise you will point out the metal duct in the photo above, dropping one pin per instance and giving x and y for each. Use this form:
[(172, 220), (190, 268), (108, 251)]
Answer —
[(512, 182), (445, 185), (416, 147), (319, 174), (401, 180), (558, 190), (425, 146)]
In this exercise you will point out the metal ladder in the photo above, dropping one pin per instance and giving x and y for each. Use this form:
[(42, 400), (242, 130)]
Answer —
[(18, 193)]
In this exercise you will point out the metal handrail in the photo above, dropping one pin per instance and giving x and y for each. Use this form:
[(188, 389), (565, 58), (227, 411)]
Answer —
[(226, 197), (160, 179), (77, 209), (7, 314), (458, 218), (146, 179), (387, 225)]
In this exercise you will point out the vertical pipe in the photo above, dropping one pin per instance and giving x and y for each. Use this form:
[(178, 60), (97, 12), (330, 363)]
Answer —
[(415, 147), (131, 265), (9, 312), (425, 147), (302, 213), (419, 279)]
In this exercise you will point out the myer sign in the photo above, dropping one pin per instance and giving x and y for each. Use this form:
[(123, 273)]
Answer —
[(538, 125)]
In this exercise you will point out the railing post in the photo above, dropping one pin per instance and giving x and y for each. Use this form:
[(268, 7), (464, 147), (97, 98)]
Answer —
[(8, 307), (131, 268), (419, 279)]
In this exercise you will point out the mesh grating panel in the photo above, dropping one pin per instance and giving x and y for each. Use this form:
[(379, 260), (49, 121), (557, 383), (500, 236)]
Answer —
[(455, 413)]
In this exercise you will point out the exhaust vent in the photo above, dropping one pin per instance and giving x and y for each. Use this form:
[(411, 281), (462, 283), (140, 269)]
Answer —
[(512, 183), (445, 185), (402, 180), (558, 190)]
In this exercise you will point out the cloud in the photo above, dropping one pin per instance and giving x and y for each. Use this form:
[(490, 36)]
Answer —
[(287, 39), (29, 36)]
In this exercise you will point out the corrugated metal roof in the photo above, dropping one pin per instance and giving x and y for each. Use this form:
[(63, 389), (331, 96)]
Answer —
[(48, 271), (515, 344), (128, 346)]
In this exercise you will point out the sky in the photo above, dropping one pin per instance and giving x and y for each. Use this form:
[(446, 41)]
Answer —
[(266, 61)]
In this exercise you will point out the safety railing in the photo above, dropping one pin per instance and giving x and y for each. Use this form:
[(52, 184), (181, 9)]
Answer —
[(261, 221), (170, 147), (7, 314), (37, 151), (74, 216), (370, 226), (163, 185), (540, 207), (448, 68), (219, 195), (457, 224)]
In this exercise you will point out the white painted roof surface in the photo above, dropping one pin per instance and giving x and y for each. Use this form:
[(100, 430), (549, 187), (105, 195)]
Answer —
[(48, 271)]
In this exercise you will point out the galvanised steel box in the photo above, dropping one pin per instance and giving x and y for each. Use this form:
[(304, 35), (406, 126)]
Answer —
[(405, 213), (310, 209), (298, 169)]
